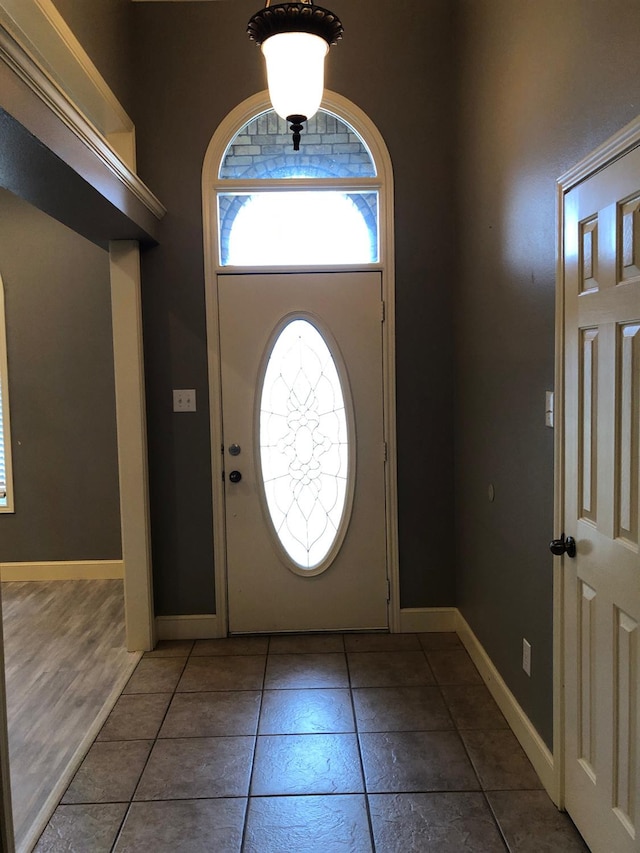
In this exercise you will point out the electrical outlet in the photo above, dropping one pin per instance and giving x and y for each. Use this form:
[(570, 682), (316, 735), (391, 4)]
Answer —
[(526, 656), (184, 400)]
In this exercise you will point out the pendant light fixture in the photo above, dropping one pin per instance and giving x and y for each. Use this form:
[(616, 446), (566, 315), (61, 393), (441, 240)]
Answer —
[(295, 38)]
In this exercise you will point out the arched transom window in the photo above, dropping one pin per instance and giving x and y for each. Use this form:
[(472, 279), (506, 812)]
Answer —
[(316, 206)]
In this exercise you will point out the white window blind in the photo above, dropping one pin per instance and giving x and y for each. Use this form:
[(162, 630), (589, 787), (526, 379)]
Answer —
[(6, 486)]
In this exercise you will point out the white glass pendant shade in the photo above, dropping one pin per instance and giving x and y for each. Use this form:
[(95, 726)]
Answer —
[(295, 72)]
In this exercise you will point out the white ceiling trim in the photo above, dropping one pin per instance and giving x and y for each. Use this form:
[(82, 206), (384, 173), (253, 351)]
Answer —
[(39, 47)]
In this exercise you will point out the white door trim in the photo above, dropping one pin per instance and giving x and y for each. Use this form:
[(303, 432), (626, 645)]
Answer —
[(6, 811), (614, 148), (128, 363), (226, 130)]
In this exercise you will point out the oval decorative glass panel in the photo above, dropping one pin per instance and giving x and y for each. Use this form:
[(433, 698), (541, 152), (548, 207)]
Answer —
[(305, 452)]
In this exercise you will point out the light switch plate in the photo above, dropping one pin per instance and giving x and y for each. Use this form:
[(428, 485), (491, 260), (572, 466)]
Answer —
[(548, 408), (184, 400), (526, 656)]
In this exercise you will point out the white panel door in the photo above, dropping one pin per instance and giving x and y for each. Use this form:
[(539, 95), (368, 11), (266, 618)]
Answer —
[(602, 583), (268, 589)]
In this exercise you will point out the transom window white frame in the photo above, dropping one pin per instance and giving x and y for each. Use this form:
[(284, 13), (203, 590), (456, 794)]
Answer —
[(6, 477), (383, 184)]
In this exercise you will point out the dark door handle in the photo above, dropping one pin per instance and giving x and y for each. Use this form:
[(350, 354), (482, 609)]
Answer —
[(563, 546), (235, 476)]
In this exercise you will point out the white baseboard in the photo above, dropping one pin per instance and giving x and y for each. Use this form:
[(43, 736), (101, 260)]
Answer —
[(536, 749), (203, 627), (206, 626), (421, 620), (63, 570)]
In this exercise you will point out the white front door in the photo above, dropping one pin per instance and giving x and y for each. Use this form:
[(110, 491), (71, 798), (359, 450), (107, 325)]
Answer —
[(602, 582), (304, 452)]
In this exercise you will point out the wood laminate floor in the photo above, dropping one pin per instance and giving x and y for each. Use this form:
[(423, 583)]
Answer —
[(65, 663)]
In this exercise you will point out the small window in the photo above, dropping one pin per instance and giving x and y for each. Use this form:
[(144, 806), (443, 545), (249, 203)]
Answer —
[(6, 483), (280, 207), (298, 227), (329, 148)]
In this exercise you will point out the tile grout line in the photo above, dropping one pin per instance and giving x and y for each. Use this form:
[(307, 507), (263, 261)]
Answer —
[(464, 746), (357, 734), (155, 740), (269, 655), (245, 822), (497, 822)]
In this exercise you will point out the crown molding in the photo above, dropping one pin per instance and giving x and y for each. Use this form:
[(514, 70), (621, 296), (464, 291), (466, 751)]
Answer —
[(17, 51), (613, 148)]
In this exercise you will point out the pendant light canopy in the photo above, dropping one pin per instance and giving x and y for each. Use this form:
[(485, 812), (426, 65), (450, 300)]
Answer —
[(295, 38)]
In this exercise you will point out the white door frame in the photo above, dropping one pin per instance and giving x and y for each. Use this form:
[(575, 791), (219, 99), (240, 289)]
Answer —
[(6, 812), (131, 420), (362, 124), (612, 149)]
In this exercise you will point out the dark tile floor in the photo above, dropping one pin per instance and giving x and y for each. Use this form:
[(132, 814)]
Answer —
[(308, 744)]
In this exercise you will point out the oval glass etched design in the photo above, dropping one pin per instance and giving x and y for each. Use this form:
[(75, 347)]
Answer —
[(304, 446)]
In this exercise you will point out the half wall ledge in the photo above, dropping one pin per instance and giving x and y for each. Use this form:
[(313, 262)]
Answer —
[(63, 166)]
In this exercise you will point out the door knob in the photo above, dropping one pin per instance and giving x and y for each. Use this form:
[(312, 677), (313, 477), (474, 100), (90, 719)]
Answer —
[(235, 476), (563, 546)]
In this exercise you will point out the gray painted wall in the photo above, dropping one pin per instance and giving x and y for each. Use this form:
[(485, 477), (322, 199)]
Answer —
[(529, 86), (59, 341), (542, 83), (103, 28), (193, 64)]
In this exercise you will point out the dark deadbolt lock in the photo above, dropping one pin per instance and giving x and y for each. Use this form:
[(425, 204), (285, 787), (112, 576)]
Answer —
[(235, 476), (234, 449), (563, 546)]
